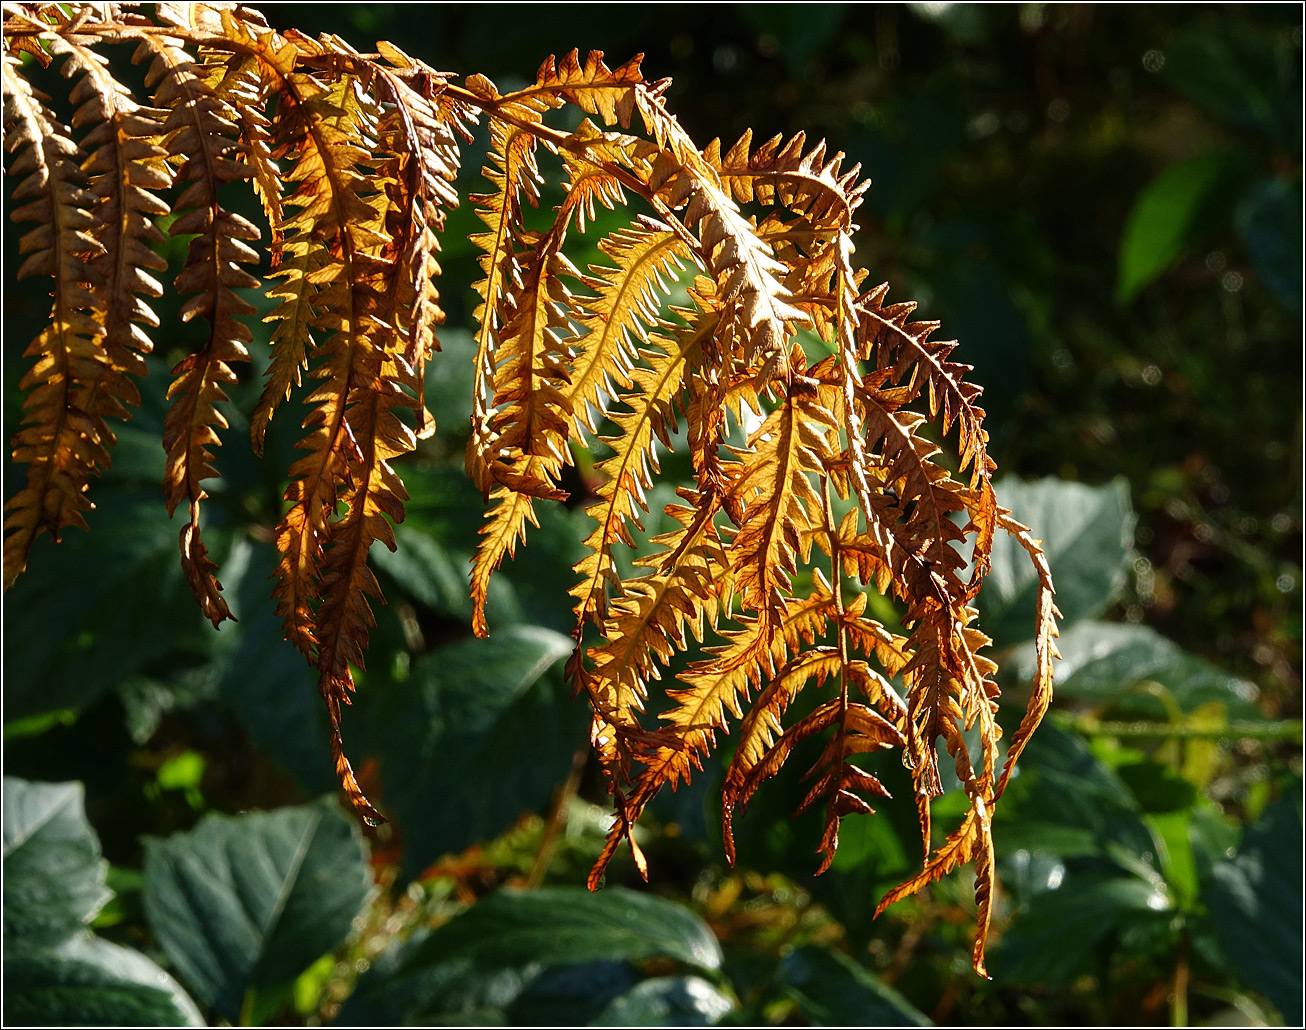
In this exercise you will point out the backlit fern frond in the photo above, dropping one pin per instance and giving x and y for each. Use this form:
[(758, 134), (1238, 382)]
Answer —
[(835, 449)]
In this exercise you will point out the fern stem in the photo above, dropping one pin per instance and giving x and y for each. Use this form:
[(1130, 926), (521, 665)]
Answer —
[(557, 819)]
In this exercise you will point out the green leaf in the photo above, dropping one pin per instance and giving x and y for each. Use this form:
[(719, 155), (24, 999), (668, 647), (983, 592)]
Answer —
[(558, 953), (87, 981), (252, 901), (1243, 74), (1087, 533), (82, 633), (1053, 940), (1172, 213), (1269, 219), (442, 738), (833, 990), (1065, 802), (1255, 903), (569, 995), (1114, 664), (667, 1001), (54, 877), (570, 924), (423, 567)]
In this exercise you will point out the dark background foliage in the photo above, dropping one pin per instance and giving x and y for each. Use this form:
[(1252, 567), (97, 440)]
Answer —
[(1104, 205)]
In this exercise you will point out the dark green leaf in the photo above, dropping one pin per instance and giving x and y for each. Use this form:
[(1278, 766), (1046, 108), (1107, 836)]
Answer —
[(1065, 802), (1107, 663), (252, 901), (1174, 211), (1255, 902), (1242, 74), (87, 981), (1053, 941), (54, 877), (1086, 531), (82, 634), (444, 733), (519, 957), (667, 1001), (833, 990), (570, 995), (1269, 219), (427, 572), (570, 924)]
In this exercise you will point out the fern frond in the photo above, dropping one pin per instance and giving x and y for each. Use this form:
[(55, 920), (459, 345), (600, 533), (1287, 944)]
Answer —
[(64, 439), (514, 173), (353, 158), (199, 134), (650, 417)]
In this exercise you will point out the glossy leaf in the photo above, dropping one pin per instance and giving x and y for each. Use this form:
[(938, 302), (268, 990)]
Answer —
[(442, 735), (1255, 902), (54, 877), (833, 990), (1086, 532), (252, 901), (565, 924), (1111, 664), (87, 981), (667, 1001)]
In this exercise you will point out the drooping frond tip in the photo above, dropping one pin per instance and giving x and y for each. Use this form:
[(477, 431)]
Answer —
[(726, 320)]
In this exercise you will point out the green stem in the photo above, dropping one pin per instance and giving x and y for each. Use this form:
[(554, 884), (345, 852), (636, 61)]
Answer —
[(1086, 725)]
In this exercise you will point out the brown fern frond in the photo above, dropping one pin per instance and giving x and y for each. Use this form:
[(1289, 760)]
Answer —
[(200, 135), (649, 418), (64, 439), (814, 481)]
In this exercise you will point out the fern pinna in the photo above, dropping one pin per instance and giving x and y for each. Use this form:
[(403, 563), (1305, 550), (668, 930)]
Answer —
[(729, 319)]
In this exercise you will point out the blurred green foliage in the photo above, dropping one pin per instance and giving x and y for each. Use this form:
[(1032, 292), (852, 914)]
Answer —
[(1104, 205)]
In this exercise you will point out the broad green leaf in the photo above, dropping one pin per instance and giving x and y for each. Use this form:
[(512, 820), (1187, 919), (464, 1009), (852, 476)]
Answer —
[(1065, 802), (1116, 664), (266, 682), (82, 633), (54, 877), (570, 995), (570, 924), (1053, 940), (87, 981), (252, 901), (442, 737), (1172, 213), (422, 566), (454, 993), (1086, 532), (833, 990), (1255, 903), (558, 954), (667, 1001)]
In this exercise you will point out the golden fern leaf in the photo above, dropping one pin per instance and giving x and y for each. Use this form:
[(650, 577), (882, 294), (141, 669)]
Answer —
[(198, 134), (775, 488), (333, 231), (64, 438), (514, 173), (353, 158), (628, 300), (646, 625), (649, 417)]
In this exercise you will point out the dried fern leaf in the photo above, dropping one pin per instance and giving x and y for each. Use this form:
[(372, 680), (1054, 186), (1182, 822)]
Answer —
[(72, 383)]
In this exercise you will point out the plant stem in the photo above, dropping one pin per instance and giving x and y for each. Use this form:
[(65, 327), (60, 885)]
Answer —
[(1086, 725)]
